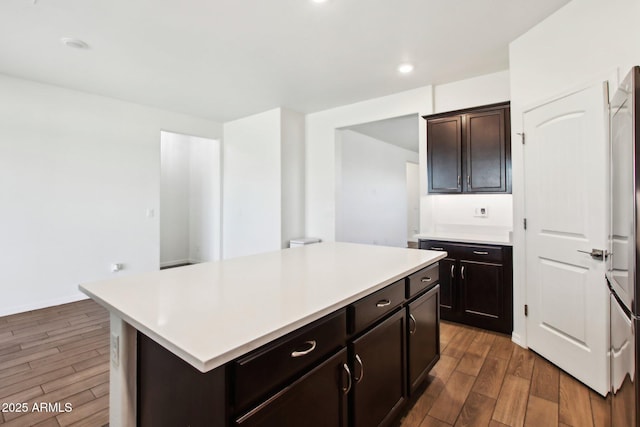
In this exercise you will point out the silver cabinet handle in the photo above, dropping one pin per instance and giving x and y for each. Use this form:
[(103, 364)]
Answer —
[(453, 274), (425, 279), (383, 303), (415, 324), (469, 181), (462, 272), (359, 378), (348, 388), (481, 252), (434, 248), (304, 352), (458, 180)]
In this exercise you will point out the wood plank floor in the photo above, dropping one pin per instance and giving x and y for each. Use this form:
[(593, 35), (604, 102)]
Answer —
[(483, 379), (55, 355), (61, 354)]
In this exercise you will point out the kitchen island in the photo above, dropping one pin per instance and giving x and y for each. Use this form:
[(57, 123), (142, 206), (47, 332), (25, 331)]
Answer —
[(219, 325)]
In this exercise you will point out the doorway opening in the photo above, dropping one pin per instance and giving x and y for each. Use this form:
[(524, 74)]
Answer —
[(190, 199), (372, 188)]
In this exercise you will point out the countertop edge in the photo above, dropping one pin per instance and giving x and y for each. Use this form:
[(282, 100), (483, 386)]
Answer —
[(465, 239), (206, 365)]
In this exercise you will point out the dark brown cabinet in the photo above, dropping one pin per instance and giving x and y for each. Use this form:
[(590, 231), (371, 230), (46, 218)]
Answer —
[(319, 398), (379, 373), (469, 151), (354, 367), (476, 284), (423, 336)]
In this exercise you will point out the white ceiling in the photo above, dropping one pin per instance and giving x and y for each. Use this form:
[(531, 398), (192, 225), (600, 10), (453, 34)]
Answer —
[(224, 59), (401, 131)]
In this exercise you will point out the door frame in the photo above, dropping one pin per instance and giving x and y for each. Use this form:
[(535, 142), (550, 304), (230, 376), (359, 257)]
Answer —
[(611, 76)]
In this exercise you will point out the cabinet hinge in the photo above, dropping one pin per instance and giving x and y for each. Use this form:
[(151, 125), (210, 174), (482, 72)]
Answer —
[(524, 222), (521, 136), (526, 310)]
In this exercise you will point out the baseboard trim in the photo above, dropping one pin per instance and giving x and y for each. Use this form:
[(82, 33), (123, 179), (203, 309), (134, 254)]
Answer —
[(175, 262), (517, 339), (42, 304)]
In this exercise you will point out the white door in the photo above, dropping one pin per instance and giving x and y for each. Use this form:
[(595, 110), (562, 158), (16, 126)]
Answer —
[(566, 158)]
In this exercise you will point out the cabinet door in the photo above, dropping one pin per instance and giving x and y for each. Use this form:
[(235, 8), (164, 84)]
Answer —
[(447, 287), (444, 150), (482, 293), (379, 373), (317, 399), (424, 336), (486, 159)]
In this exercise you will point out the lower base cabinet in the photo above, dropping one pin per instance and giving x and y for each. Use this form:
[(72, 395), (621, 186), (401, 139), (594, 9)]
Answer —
[(319, 398), (476, 284), (379, 373), (352, 368), (423, 342)]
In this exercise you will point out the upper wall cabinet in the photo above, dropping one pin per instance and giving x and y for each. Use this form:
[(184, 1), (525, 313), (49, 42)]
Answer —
[(469, 151)]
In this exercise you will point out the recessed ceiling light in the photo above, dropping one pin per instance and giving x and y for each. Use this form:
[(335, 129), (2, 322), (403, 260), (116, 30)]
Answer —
[(405, 68), (74, 43), (319, 1)]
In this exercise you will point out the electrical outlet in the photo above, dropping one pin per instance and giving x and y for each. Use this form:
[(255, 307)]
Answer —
[(115, 267), (481, 212), (115, 349)]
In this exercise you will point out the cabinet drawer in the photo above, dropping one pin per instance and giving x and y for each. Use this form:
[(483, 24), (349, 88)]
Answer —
[(275, 364), (434, 245), (369, 309), (481, 253), (422, 279)]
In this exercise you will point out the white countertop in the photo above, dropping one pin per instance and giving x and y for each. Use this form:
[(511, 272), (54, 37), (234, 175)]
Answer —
[(211, 313), (470, 234)]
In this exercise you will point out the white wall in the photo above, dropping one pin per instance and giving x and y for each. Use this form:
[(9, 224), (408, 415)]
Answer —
[(372, 190), (293, 179), (481, 90), (175, 167), (78, 173), (436, 211), (582, 44), (252, 184), (321, 150), (205, 199), (413, 200)]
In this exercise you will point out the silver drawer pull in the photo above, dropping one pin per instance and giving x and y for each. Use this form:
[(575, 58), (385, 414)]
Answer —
[(383, 303), (359, 377), (415, 324), (481, 252), (453, 275), (304, 352), (462, 272), (425, 279), (433, 248), (346, 389)]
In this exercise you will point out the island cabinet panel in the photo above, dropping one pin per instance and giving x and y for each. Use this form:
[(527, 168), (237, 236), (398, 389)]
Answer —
[(173, 393), (476, 284), (268, 368), (352, 368), (422, 280), (423, 338), (448, 299), (366, 311), (319, 398), (379, 373)]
